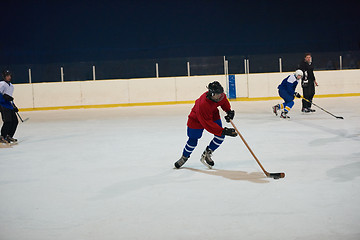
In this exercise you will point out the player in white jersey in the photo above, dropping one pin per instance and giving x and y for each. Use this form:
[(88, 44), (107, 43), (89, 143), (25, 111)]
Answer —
[(287, 92), (8, 109)]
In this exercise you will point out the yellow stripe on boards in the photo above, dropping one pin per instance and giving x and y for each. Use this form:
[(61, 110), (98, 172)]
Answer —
[(337, 95), (105, 106), (173, 102), (316, 96)]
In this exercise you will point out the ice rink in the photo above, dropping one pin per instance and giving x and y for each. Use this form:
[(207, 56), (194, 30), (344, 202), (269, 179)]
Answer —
[(92, 174)]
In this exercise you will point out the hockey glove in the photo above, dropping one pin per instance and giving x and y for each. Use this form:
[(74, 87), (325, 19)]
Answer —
[(296, 94), (15, 108), (229, 132), (230, 115)]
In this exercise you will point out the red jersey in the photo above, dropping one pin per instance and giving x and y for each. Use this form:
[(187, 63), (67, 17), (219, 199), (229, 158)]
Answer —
[(205, 112)]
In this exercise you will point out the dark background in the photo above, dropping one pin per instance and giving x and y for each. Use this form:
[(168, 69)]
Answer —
[(50, 32)]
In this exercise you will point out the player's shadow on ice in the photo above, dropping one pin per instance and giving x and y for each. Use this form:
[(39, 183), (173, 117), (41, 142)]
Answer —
[(255, 177)]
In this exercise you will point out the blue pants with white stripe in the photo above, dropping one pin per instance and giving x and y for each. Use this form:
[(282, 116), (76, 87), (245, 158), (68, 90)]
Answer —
[(195, 134), (288, 100)]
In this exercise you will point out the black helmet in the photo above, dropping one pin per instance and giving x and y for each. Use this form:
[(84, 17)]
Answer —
[(215, 88), (5, 73)]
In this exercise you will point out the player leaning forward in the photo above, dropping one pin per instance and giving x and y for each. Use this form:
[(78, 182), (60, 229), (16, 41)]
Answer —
[(205, 115), (287, 92), (7, 109)]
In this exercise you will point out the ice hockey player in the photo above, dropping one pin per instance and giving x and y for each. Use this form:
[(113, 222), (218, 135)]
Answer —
[(205, 115), (287, 92), (8, 109)]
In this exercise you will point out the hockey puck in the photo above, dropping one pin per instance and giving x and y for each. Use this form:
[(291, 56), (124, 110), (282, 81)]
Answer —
[(276, 175)]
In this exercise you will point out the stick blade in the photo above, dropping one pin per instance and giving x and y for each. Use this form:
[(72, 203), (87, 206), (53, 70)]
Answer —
[(276, 175), (339, 117)]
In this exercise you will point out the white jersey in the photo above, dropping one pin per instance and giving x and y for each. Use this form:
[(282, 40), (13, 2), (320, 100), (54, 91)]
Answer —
[(6, 88), (292, 79)]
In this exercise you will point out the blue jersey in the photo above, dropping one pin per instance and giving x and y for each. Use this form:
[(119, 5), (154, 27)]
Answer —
[(289, 84), (6, 88)]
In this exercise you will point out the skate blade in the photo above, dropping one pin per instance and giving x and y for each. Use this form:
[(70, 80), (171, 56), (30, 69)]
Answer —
[(274, 111), (205, 163)]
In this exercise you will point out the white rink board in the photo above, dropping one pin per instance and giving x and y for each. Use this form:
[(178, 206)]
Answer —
[(172, 89)]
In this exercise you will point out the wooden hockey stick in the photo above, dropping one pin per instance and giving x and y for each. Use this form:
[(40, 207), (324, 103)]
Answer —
[(272, 175)]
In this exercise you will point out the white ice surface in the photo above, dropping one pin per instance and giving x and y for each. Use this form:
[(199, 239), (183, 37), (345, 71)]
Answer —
[(104, 174)]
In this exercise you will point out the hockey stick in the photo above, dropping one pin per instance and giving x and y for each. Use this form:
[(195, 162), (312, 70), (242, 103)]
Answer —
[(338, 117), (13, 104), (272, 175), (21, 118)]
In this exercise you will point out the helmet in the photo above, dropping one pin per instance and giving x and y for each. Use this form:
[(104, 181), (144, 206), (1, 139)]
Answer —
[(215, 88), (5, 73), (299, 72)]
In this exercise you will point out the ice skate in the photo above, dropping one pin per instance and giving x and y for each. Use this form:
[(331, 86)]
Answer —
[(305, 110), (181, 161), (311, 110), (284, 115), (275, 109), (11, 139), (4, 141), (206, 158)]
